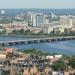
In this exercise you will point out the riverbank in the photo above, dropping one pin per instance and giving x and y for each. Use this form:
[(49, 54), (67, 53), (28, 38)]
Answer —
[(33, 35)]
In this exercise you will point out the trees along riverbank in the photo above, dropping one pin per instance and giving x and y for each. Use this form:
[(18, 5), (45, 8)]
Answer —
[(41, 34)]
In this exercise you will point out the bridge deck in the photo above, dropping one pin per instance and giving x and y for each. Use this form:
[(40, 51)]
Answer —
[(37, 39)]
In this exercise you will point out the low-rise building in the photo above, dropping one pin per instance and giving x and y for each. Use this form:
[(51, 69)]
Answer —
[(73, 28), (14, 26), (58, 56), (8, 50), (59, 29), (49, 57), (2, 56), (36, 30), (47, 29), (57, 73), (26, 71)]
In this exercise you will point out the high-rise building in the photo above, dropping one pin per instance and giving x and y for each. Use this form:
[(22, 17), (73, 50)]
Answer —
[(37, 19), (29, 16), (34, 19)]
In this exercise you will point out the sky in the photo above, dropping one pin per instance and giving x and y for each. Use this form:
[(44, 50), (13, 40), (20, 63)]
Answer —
[(37, 4)]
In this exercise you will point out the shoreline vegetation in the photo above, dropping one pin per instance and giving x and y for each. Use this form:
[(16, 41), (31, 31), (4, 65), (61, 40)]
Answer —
[(38, 52), (33, 35), (35, 52)]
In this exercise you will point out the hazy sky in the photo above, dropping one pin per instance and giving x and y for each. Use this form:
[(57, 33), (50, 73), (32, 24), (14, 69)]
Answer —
[(37, 3)]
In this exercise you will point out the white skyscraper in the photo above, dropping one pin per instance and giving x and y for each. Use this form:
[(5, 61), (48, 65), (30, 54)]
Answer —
[(34, 19), (37, 19)]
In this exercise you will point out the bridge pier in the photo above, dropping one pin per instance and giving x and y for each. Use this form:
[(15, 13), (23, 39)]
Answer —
[(42, 41), (46, 40), (22, 42), (36, 41), (6, 44), (25, 42), (11, 43), (1, 44), (17, 43), (63, 39), (53, 40), (30, 42), (49, 40), (59, 39), (73, 38)]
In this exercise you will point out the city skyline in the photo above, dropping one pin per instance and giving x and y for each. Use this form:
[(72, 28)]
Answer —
[(56, 4)]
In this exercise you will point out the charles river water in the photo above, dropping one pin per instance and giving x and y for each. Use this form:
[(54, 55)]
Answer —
[(62, 47)]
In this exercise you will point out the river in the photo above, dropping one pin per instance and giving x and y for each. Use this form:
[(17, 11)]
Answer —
[(62, 47)]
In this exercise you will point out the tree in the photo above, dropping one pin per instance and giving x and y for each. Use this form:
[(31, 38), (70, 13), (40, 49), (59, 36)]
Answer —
[(15, 32), (60, 65), (72, 62), (21, 31)]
